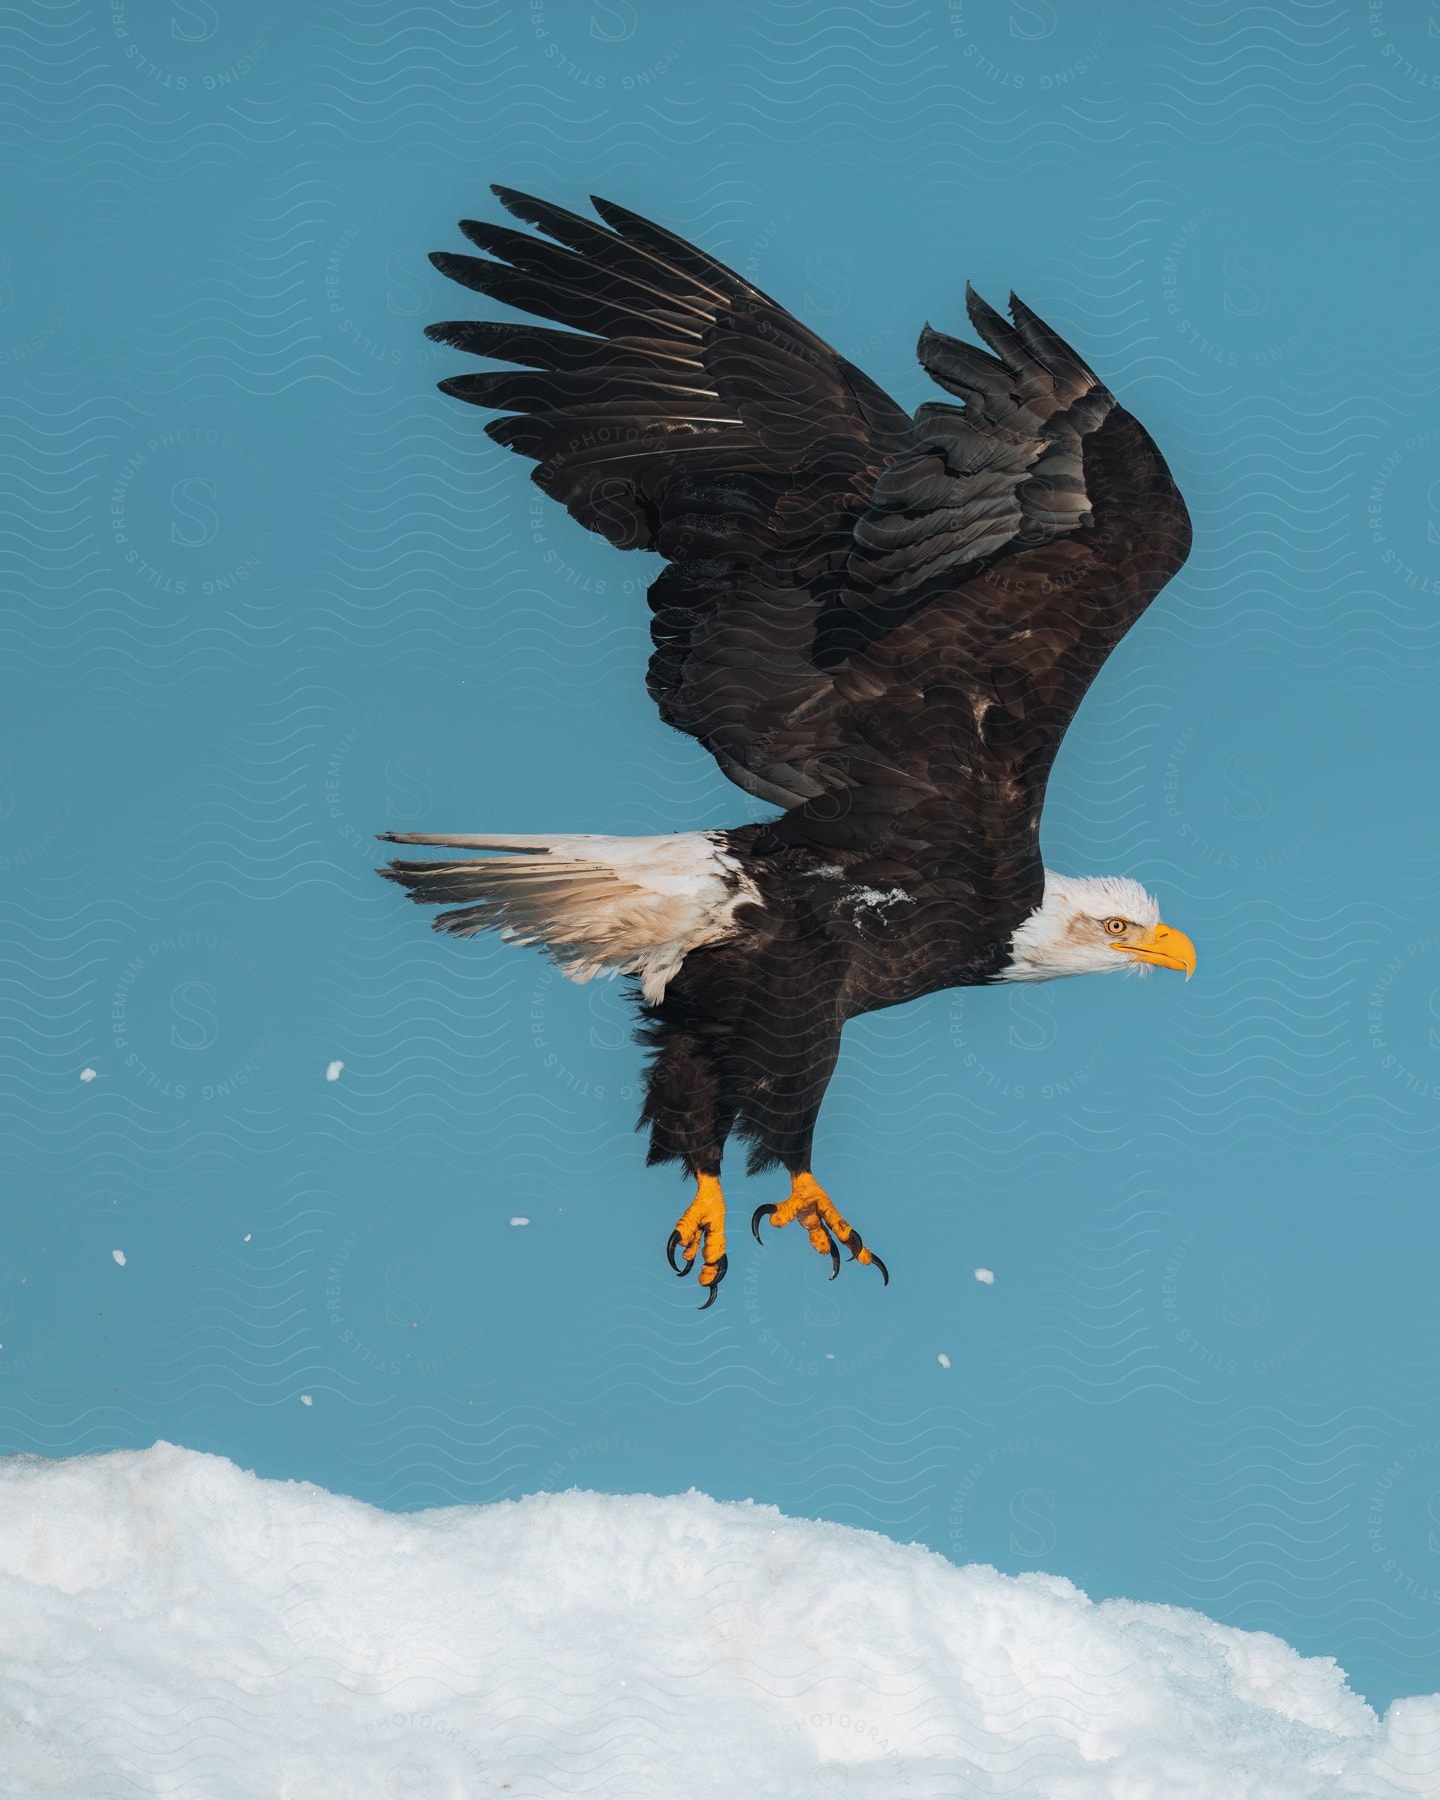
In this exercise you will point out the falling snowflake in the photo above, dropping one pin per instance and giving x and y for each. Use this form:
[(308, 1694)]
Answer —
[(333, 1070), (943, 1360), (87, 1074), (119, 1256), (986, 1275)]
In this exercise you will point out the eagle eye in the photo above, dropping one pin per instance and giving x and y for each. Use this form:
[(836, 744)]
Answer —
[(1116, 926)]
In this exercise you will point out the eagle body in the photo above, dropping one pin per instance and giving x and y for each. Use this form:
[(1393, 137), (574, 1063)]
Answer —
[(879, 623), (747, 1035)]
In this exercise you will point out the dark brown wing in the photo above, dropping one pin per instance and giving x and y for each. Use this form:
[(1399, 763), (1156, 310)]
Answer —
[(946, 727), (881, 624)]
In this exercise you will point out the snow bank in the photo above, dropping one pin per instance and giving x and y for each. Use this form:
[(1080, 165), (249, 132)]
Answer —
[(174, 1626)]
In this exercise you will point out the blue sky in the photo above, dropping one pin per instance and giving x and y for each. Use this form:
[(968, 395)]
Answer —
[(271, 593)]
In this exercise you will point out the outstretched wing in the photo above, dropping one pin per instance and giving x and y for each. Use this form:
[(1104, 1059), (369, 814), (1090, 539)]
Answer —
[(881, 623)]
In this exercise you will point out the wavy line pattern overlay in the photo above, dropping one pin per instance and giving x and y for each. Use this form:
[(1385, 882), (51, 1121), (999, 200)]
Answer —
[(269, 593)]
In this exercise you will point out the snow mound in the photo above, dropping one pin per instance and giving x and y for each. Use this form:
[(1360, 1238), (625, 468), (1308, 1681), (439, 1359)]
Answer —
[(177, 1627)]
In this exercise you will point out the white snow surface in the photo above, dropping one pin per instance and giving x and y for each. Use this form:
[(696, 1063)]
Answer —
[(176, 1627)]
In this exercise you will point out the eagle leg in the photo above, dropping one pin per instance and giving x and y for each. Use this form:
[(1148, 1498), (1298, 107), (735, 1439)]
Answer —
[(816, 1211), (700, 1231)]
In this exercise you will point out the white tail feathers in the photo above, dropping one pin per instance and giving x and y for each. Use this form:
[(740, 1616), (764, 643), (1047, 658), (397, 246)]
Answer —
[(598, 905)]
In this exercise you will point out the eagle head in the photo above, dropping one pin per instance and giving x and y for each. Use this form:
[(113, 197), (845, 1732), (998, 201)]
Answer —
[(1094, 925)]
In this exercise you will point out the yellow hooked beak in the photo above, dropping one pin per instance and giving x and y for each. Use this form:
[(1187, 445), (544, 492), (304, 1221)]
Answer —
[(1166, 947)]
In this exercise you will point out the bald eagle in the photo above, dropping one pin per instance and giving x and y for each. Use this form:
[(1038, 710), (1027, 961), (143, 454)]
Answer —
[(880, 624)]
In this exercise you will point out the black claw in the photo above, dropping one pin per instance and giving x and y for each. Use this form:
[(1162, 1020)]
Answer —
[(670, 1256), (855, 1244), (720, 1268)]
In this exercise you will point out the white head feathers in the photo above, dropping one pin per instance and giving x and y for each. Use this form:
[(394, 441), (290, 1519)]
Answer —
[(1067, 934)]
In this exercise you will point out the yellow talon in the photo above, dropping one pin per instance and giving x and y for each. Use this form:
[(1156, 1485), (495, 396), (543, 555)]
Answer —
[(700, 1230), (812, 1207)]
